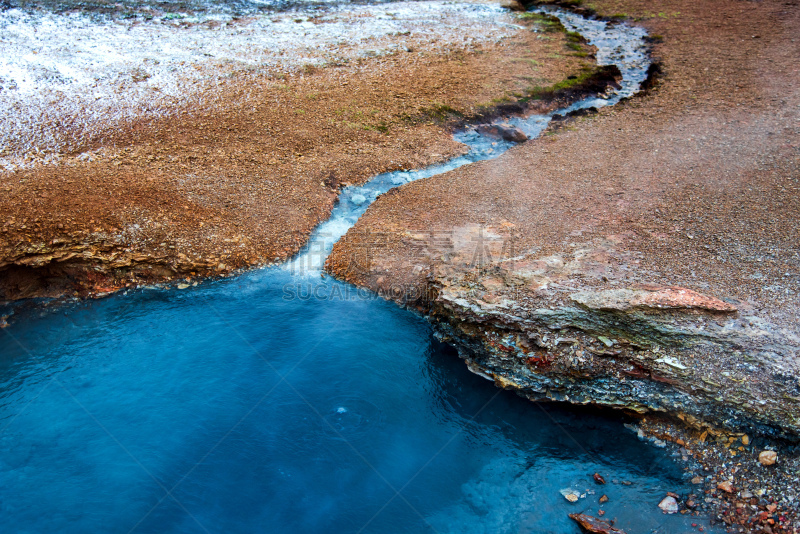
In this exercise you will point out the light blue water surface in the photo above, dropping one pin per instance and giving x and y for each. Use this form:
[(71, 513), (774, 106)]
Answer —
[(231, 407)]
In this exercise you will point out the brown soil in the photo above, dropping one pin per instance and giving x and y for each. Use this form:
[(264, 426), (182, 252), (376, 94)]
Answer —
[(698, 180), (244, 180)]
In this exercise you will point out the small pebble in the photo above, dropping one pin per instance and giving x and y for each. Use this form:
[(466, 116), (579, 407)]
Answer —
[(767, 457), (570, 494), (669, 505)]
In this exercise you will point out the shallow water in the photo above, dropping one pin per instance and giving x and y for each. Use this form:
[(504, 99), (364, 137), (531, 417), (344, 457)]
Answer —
[(280, 401)]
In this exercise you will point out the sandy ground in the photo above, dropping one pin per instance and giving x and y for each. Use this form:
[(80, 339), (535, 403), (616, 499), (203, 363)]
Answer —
[(243, 179), (694, 184), (698, 179)]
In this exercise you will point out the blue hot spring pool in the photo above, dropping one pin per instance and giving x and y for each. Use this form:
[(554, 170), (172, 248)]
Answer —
[(243, 405)]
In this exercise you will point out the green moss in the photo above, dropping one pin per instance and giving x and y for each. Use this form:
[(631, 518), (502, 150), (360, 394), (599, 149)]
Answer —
[(544, 22), (540, 92), (381, 127), (540, 18), (571, 82), (484, 109), (531, 62), (502, 100), (441, 112)]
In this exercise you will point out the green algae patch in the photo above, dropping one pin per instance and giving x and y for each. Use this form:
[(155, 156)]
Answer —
[(589, 80)]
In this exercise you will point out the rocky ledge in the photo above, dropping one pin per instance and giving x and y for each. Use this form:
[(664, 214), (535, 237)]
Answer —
[(566, 329)]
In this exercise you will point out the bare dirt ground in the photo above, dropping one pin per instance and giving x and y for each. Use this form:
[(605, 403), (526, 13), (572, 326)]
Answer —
[(243, 181), (695, 184), (699, 178)]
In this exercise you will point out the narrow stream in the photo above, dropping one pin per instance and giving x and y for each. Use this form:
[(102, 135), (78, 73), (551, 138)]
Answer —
[(259, 404), (617, 44)]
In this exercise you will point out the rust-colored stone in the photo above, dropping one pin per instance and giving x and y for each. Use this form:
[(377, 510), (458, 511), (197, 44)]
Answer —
[(680, 297), (593, 524)]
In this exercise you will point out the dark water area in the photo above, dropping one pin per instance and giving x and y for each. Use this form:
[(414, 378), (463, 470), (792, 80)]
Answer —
[(248, 406)]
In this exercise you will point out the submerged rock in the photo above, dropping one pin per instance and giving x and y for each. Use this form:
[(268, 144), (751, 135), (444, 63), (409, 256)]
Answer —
[(593, 524), (669, 505), (570, 494)]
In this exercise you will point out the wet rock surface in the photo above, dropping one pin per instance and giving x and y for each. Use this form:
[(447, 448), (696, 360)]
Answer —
[(731, 485), (593, 524), (669, 505)]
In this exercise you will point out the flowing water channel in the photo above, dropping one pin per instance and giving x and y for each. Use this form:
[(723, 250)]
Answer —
[(254, 404)]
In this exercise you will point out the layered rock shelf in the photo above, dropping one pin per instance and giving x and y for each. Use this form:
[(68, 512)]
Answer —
[(529, 325)]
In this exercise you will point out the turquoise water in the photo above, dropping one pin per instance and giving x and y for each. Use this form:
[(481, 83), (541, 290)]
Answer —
[(231, 407)]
